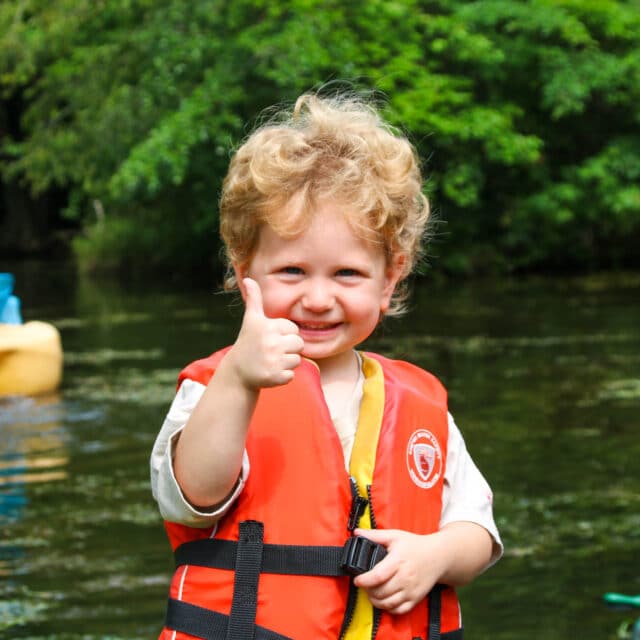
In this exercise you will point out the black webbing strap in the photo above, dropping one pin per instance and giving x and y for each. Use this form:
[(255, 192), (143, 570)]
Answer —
[(248, 557), (452, 635), (284, 559), (242, 620), (206, 624), (435, 605)]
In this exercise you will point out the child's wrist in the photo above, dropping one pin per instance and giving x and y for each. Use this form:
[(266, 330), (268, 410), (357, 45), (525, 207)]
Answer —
[(447, 550), (235, 373)]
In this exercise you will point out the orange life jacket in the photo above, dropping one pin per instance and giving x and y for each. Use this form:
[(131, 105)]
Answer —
[(278, 565)]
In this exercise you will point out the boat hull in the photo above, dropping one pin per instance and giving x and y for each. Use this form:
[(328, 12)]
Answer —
[(30, 358)]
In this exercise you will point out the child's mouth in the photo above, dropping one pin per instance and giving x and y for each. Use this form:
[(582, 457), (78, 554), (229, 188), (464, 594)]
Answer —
[(317, 326)]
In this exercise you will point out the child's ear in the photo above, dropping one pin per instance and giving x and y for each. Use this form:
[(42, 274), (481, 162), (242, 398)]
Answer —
[(393, 275)]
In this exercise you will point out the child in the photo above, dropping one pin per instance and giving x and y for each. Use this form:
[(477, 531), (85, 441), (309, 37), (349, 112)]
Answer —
[(310, 490)]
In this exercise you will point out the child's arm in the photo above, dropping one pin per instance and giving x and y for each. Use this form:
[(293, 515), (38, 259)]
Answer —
[(208, 454), (416, 563)]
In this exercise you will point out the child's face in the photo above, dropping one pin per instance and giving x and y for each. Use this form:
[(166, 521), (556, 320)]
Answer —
[(330, 282)]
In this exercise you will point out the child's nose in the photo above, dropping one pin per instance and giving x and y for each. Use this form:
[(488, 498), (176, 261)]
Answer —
[(318, 296)]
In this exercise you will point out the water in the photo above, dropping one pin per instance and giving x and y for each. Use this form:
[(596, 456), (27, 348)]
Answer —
[(544, 380)]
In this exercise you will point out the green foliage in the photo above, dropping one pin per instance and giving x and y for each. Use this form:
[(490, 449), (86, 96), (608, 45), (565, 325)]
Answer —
[(525, 114)]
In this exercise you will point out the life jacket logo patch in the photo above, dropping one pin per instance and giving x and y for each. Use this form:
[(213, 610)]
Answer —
[(424, 459)]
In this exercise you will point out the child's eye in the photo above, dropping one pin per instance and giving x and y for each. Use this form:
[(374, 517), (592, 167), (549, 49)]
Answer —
[(348, 273), (292, 270)]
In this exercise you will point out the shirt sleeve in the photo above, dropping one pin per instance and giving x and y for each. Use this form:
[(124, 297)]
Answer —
[(173, 506), (466, 495)]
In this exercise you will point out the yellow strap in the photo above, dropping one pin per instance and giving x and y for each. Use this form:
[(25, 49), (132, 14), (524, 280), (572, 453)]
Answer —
[(361, 467)]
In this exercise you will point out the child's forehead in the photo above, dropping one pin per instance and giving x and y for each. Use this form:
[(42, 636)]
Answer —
[(298, 214), (327, 241), (328, 234)]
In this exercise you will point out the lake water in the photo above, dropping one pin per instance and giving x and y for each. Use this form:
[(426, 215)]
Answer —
[(544, 381)]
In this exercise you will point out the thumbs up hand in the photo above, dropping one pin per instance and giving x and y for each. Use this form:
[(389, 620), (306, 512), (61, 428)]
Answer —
[(267, 350)]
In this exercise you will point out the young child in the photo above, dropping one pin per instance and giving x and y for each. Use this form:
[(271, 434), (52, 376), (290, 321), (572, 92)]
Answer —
[(311, 490)]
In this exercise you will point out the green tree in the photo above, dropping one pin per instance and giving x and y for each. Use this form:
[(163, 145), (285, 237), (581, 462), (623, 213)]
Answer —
[(573, 67), (525, 114)]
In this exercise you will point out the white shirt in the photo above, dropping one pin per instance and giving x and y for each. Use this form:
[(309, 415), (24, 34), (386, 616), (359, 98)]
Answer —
[(466, 494)]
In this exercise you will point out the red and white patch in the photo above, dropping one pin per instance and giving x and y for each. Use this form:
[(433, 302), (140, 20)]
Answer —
[(424, 459)]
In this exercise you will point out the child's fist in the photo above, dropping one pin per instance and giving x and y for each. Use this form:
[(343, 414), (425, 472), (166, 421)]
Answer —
[(267, 349), (405, 575)]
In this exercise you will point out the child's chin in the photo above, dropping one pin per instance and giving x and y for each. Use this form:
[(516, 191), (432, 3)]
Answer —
[(319, 354), (315, 354)]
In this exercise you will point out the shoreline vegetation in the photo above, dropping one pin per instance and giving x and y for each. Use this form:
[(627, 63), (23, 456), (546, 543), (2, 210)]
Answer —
[(117, 121)]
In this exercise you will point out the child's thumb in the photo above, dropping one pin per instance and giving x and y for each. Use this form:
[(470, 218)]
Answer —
[(253, 296)]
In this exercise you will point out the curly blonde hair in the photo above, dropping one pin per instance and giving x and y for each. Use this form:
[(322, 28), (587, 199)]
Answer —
[(336, 148)]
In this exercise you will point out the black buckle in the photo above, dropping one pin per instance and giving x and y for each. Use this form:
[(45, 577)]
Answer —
[(360, 555)]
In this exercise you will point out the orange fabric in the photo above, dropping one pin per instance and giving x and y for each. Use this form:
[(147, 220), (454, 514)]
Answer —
[(299, 489)]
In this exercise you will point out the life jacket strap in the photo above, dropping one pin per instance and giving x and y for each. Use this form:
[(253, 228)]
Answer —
[(206, 624), (249, 557), (449, 635), (434, 603), (435, 606), (300, 560), (211, 625), (244, 604)]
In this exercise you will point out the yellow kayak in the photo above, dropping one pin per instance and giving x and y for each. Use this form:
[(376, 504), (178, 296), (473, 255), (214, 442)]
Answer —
[(30, 358)]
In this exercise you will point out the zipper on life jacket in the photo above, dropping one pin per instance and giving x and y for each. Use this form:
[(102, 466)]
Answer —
[(351, 607), (377, 613), (372, 515), (358, 507)]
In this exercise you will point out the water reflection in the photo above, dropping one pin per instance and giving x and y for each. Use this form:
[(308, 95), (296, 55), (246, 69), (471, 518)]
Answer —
[(544, 380), (33, 449)]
